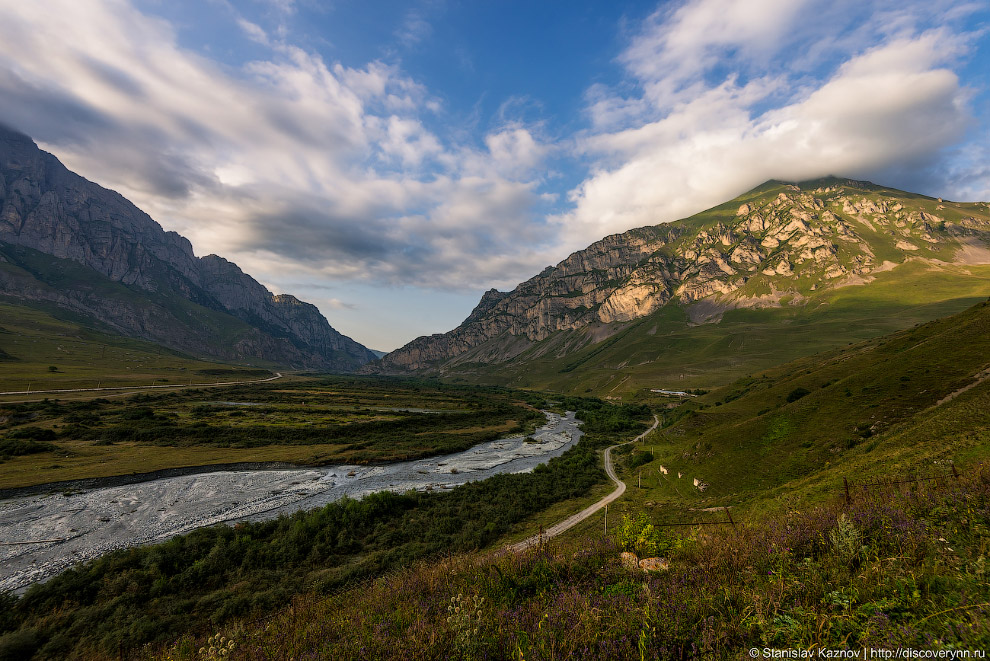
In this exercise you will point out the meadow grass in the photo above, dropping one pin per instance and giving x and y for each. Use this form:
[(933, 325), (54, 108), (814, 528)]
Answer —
[(894, 568), (868, 410)]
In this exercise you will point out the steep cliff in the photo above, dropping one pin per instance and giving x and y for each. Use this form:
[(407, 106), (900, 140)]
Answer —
[(139, 279), (780, 245)]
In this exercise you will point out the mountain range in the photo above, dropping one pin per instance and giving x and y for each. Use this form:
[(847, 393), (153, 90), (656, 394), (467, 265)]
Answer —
[(68, 242), (781, 271)]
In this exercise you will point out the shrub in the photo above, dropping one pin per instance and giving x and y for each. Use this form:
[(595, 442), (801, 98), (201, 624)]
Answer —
[(642, 537)]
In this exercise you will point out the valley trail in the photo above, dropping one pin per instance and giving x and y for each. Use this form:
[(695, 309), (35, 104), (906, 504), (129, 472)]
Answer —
[(571, 521)]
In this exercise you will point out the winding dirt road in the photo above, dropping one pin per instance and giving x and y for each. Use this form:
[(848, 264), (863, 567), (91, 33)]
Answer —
[(571, 521)]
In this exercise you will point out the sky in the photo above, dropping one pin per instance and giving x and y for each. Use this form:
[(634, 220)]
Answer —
[(390, 161)]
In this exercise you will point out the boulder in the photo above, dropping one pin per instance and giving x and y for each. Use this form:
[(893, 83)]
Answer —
[(629, 560), (654, 564)]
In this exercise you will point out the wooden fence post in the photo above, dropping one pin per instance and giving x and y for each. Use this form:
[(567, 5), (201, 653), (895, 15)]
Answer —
[(729, 514)]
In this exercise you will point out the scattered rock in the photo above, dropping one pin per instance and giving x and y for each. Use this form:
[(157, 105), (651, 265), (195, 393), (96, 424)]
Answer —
[(629, 560), (654, 564)]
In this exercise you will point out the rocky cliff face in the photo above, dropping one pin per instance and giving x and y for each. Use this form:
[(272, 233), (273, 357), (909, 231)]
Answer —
[(772, 246), (48, 209)]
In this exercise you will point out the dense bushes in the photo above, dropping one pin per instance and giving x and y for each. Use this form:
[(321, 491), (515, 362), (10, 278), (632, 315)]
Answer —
[(29, 440)]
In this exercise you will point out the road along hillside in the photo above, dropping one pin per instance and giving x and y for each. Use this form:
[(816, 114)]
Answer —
[(571, 521)]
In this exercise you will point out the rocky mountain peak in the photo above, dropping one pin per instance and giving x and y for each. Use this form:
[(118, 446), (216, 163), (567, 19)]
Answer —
[(779, 242)]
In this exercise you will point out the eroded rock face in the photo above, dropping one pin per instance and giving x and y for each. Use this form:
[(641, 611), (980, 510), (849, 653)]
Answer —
[(46, 208), (781, 240)]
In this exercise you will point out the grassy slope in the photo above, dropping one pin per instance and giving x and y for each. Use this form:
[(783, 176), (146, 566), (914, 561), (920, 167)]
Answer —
[(895, 571), (665, 350), (901, 566), (36, 337), (36, 270), (870, 412)]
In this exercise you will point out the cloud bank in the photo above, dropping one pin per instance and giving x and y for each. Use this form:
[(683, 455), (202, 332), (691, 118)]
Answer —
[(290, 163), (304, 170), (730, 94)]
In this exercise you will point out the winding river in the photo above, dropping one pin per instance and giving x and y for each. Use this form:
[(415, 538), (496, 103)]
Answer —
[(42, 535)]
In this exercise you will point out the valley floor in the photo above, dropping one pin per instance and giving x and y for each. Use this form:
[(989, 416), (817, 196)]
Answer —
[(44, 535)]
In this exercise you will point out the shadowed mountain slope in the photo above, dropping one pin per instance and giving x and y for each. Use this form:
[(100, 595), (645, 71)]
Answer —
[(69, 242)]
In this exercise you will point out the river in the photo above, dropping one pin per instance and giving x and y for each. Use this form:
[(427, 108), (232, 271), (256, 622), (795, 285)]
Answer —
[(43, 535)]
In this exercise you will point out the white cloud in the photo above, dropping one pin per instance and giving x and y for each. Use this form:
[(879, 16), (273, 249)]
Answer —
[(303, 170), (290, 166), (721, 107), (253, 31)]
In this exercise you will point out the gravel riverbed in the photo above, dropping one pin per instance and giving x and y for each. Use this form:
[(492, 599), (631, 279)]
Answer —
[(41, 536)]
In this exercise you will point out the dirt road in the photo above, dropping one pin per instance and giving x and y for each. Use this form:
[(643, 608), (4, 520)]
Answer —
[(571, 521)]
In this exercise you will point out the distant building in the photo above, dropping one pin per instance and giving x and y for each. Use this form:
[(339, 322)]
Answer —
[(678, 393)]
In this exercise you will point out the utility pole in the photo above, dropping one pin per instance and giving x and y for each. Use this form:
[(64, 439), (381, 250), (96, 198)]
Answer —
[(606, 519)]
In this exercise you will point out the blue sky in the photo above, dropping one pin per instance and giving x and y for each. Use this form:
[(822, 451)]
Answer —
[(389, 161)]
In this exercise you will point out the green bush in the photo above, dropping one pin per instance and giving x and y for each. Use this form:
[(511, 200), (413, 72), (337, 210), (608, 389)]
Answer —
[(640, 536)]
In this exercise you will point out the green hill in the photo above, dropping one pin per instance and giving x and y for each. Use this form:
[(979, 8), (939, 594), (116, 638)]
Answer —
[(905, 404), (36, 338)]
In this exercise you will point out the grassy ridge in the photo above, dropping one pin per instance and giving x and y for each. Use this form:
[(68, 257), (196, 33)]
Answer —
[(797, 431), (154, 593), (34, 339), (920, 269), (666, 350)]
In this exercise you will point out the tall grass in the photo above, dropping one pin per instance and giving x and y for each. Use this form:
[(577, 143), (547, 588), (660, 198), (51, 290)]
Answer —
[(892, 569)]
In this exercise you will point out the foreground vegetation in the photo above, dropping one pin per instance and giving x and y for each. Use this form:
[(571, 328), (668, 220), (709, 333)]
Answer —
[(894, 565), (132, 597), (899, 565), (311, 421), (896, 568)]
